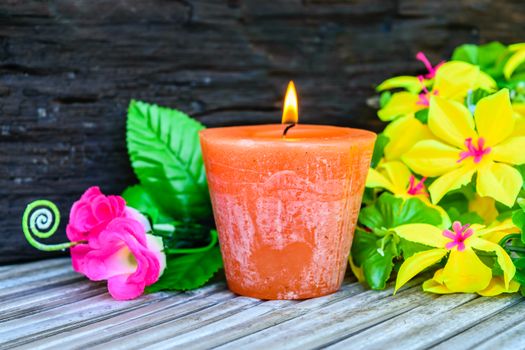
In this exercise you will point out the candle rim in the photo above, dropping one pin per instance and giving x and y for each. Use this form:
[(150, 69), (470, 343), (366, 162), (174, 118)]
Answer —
[(274, 133)]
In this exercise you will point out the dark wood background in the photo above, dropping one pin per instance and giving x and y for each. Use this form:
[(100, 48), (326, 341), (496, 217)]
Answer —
[(69, 68)]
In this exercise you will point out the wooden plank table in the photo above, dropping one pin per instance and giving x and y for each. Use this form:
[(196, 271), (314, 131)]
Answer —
[(45, 305)]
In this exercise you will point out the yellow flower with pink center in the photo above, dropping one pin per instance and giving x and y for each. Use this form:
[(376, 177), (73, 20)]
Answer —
[(451, 80), (484, 144), (463, 271)]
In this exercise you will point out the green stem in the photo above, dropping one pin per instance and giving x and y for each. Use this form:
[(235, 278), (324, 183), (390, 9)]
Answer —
[(212, 243), (41, 219)]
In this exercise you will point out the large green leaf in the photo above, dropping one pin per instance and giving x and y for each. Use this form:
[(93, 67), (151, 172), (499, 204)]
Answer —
[(363, 246), (378, 267), (490, 57), (389, 212), (164, 150), (189, 271), (137, 197), (375, 251), (410, 248)]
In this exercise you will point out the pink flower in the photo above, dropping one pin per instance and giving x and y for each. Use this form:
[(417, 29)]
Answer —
[(127, 257), (114, 244), (92, 213)]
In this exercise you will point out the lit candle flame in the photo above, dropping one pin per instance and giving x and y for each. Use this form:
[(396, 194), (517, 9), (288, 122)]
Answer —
[(290, 109)]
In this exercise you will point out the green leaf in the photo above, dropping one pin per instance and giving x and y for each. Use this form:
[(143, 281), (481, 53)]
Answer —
[(410, 248), (470, 218), (363, 246), (422, 115), (467, 53), (389, 212), (490, 57), (377, 268), (379, 149), (384, 98), (455, 204), (164, 150), (369, 196), (520, 281), (189, 271), (518, 218), (490, 259), (472, 98), (137, 197), (504, 216), (519, 263), (375, 251), (183, 235)]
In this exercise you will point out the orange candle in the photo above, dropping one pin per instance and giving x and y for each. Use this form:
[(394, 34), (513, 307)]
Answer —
[(286, 206)]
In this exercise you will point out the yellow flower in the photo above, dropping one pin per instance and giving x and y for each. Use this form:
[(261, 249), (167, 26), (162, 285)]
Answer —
[(404, 133), (407, 82), (496, 231), (396, 178), (514, 61), (464, 271), (483, 144), (453, 80)]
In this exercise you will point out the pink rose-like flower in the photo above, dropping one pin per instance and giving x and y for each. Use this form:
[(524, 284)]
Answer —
[(125, 256), (92, 213), (114, 244)]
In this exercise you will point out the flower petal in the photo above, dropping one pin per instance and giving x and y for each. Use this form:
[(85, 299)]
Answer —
[(499, 181), (485, 82), (422, 233), (516, 47), (377, 180), (398, 174), (432, 158), (450, 181), (356, 270), (121, 288), (410, 83), (417, 263), (450, 121), (510, 151), (495, 233), (503, 258), (401, 104), (464, 272), (519, 108), (494, 117), (435, 285), (156, 246), (497, 286), (454, 79), (403, 133), (514, 62)]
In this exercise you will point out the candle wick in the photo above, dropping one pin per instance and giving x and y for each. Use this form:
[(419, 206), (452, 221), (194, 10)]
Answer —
[(288, 127)]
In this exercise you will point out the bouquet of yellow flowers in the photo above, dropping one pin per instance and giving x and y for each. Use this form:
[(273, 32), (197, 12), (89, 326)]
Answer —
[(445, 190)]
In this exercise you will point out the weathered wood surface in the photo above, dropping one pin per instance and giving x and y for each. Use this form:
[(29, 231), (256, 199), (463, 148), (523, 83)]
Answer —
[(68, 69), (45, 305)]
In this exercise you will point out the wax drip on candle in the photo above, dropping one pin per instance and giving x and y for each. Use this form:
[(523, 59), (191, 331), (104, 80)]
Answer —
[(290, 109)]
